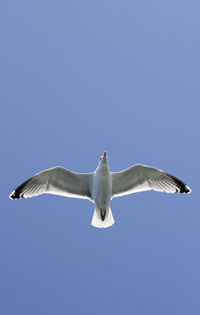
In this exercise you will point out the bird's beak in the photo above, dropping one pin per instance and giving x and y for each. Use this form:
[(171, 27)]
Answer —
[(104, 155)]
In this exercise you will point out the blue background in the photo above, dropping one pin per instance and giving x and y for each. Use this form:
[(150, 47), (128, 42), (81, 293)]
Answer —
[(79, 77)]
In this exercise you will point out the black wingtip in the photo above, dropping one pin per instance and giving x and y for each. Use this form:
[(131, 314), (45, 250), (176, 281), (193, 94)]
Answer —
[(12, 196), (186, 190), (18, 192), (15, 195), (182, 187)]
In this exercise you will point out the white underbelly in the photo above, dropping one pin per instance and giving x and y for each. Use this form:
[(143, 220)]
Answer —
[(102, 187)]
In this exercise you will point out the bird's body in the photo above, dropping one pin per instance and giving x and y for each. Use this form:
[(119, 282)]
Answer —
[(101, 194), (100, 186)]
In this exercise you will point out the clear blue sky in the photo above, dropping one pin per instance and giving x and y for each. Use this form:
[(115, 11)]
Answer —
[(79, 77)]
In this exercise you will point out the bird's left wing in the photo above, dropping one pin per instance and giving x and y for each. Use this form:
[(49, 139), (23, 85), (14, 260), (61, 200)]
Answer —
[(141, 177), (57, 181)]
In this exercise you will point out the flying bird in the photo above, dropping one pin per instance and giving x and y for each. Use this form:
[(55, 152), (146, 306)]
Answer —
[(100, 186)]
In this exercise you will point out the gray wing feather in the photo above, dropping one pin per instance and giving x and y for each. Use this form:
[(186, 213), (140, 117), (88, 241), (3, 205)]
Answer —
[(58, 181), (141, 178)]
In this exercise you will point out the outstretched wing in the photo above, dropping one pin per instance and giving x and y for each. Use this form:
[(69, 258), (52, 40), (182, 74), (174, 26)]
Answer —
[(58, 181), (141, 177)]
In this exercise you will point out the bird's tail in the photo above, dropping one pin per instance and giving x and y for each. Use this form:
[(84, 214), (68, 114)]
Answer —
[(100, 221)]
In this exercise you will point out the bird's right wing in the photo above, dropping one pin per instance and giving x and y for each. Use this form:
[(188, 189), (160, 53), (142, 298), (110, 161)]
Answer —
[(58, 181), (141, 177)]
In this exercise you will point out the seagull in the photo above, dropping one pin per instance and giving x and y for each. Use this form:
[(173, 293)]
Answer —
[(100, 186)]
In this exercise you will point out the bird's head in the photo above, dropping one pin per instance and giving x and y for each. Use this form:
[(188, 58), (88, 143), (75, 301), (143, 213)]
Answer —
[(103, 160)]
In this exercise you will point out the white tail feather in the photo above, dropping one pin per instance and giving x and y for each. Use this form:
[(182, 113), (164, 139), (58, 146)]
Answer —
[(97, 221)]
